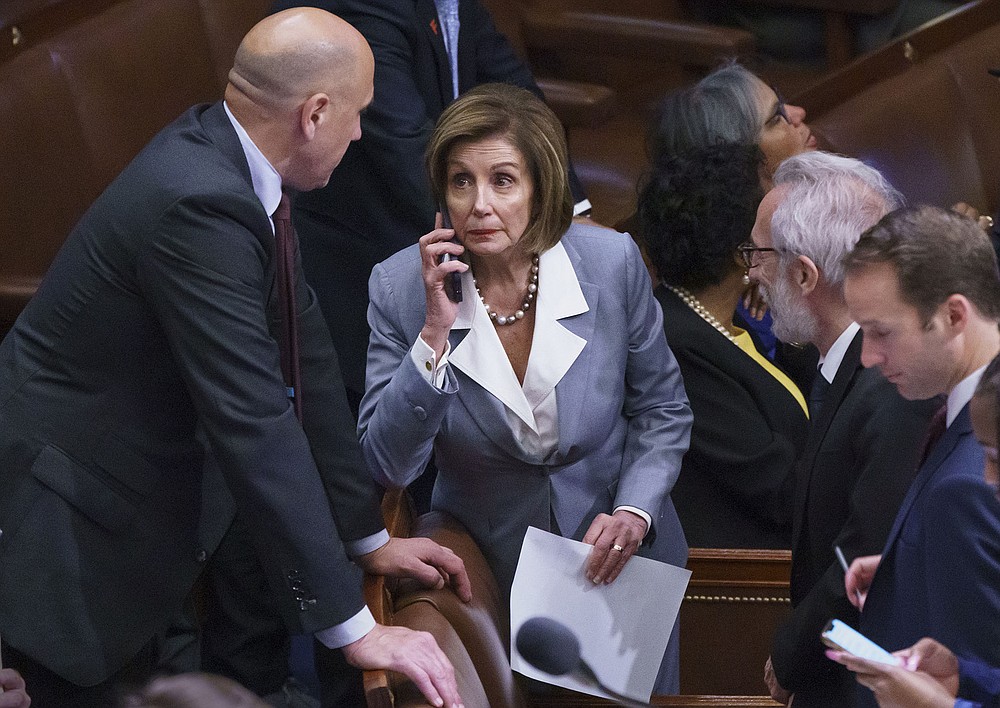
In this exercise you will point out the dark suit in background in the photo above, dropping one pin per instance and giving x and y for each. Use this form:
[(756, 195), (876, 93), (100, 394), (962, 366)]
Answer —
[(860, 458), (939, 576), (736, 482), (150, 334), (378, 200)]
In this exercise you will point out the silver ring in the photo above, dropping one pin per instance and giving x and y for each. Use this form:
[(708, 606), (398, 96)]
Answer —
[(986, 222), (616, 547)]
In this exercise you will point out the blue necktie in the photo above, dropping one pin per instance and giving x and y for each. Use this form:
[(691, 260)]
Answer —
[(448, 14)]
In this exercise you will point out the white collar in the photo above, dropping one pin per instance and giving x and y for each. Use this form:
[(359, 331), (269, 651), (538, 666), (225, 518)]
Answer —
[(831, 361), (481, 356), (959, 396), (266, 180)]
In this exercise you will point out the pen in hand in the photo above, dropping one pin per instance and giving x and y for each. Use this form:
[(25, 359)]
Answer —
[(843, 564)]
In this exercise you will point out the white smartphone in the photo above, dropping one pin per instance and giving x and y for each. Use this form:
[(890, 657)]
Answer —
[(838, 635)]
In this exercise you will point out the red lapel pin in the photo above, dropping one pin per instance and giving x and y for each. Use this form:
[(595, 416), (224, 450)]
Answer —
[(434, 26)]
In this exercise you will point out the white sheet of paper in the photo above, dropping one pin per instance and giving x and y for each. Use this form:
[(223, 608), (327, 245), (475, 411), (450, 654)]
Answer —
[(623, 627)]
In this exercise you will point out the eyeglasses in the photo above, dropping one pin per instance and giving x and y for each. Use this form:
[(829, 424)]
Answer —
[(746, 251), (779, 109)]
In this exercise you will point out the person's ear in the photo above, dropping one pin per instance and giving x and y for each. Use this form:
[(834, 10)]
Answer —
[(806, 274), (957, 310), (312, 114)]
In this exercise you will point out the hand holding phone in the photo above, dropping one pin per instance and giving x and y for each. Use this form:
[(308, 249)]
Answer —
[(453, 283), (843, 637)]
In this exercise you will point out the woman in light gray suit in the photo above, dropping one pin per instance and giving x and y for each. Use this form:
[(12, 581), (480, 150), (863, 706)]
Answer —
[(547, 396)]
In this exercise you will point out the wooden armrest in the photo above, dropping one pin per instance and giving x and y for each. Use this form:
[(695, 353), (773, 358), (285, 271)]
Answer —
[(378, 693), (397, 511), (765, 567), (578, 104), (635, 37)]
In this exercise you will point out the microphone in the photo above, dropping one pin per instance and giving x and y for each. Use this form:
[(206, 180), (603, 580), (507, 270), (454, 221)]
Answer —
[(551, 646)]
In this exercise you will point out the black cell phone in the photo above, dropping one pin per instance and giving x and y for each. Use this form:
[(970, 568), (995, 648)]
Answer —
[(453, 284)]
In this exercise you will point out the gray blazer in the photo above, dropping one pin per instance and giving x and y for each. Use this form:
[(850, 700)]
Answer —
[(624, 419)]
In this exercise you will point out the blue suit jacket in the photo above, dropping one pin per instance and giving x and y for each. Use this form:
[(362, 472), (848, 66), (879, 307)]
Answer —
[(624, 419), (940, 570), (979, 685)]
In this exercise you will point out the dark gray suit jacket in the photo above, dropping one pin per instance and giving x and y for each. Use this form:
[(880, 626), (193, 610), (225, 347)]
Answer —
[(861, 455), (150, 335)]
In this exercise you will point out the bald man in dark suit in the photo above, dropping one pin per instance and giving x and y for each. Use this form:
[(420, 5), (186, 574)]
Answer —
[(142, 400)]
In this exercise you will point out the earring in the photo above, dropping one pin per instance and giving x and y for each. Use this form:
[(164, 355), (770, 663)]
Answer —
[(746, 277)]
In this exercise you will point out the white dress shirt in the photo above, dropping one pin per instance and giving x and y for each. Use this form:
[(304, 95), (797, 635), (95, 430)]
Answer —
[(963, 392), (829, 363)]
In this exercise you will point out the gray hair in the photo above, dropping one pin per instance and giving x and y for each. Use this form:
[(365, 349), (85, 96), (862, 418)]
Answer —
[(722, 107), (831, 201)]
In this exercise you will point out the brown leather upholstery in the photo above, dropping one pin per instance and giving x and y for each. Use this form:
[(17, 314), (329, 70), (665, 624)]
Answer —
[(423, 615), (575, 102), (84, 84), (922, 110), (480, 625)]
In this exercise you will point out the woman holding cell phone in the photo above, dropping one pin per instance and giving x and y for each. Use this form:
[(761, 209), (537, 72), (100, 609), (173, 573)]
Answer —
[(548, 396)]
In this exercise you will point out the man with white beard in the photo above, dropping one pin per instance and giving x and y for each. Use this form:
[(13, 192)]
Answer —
[(864, 438)]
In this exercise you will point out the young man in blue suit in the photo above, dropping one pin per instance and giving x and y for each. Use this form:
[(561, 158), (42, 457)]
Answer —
[(923, 285), (143, 405)]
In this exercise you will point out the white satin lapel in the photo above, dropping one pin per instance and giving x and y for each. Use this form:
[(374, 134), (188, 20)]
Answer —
[(481, 357), (554, 348)]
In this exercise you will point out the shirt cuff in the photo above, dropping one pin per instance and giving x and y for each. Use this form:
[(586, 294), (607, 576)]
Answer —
[(346, 632), (582, 208), (962, 703), (639, 512), (366, 544), (426, 360)]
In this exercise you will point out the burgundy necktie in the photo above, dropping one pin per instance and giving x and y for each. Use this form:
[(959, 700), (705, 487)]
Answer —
[(284, 271), (935, 430)]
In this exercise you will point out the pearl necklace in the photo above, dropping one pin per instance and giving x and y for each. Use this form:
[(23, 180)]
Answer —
[(529, 296), (699, 309)]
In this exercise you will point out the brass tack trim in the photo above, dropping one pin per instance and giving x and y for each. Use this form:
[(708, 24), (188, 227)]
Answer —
[(910, 53), (729, 598), (15, 36)]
